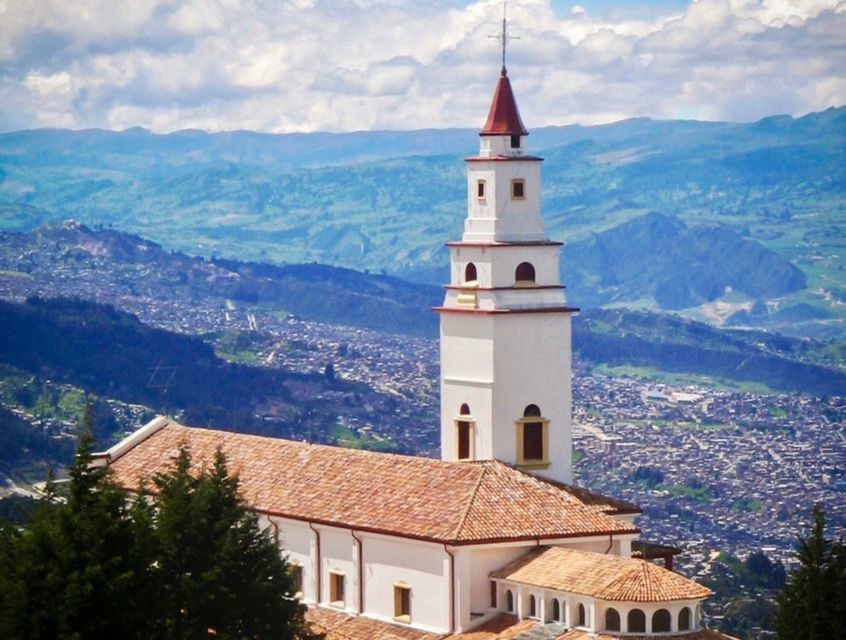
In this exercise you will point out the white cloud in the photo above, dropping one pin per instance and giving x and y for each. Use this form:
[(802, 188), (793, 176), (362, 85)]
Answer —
[(345, 65)]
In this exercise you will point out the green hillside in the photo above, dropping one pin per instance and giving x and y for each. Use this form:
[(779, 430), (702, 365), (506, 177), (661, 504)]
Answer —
[(103, 351)]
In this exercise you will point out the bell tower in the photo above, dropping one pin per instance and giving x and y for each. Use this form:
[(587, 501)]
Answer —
[(505, 335)]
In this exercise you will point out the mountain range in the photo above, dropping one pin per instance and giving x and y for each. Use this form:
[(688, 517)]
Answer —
[(738, 223)]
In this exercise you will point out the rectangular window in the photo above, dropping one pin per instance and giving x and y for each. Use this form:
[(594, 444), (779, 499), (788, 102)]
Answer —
[(518, 189), (480, 189), (336, 589), (493, 594), (533, 441), (515, 142), (464, 428), (402, 602)]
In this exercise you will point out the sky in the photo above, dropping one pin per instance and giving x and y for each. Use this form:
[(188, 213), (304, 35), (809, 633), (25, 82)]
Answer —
[(344, 65)]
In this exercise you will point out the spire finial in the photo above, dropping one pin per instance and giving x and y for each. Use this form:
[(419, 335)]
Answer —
[(503, 37)]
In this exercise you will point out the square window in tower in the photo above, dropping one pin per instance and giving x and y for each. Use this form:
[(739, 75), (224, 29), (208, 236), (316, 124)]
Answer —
[(518, 189)]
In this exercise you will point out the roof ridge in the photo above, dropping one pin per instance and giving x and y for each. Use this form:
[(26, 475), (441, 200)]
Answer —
[(456, 534)]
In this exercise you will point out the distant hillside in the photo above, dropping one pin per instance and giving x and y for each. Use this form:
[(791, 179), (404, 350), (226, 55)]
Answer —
[(127, 269), (661, 342), (126, 264), (660, 258), (111, 354), (388, 200)]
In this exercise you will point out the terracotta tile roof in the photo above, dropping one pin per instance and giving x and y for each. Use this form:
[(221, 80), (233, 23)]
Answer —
[(343, 626), (502, 627), (606, 503), (604, 577), (452, 502), (338, 625), (702, 634)]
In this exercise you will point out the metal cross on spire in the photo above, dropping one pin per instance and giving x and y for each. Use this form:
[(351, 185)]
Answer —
[(503, 37)]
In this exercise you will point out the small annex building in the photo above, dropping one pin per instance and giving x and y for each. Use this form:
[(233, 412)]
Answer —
[(493, 541)]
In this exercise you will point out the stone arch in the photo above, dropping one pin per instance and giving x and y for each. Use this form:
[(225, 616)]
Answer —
[(661, 621), (533, 606), (612, 619), (464, 433), (470, 274), (636, 621), (509, 601), (532, 411), (525, 272), (684, 619), (582, 616), (556, 610)]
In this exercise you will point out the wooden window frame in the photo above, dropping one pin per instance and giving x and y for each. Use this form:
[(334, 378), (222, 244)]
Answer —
[(402, 602), (334, 600), (471, 437), (481, 189), (532, 463), (521, 183)]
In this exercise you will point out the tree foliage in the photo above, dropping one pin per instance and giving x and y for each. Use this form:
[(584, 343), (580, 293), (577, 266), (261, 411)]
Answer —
[(813, 603), (193, 564)]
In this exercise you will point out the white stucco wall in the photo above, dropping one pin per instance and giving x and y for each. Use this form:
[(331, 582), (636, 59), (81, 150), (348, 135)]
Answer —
[(424, 567), (532, 364), (297, 541), (338, 554), (495, 266), (499, 364), (498, 216)]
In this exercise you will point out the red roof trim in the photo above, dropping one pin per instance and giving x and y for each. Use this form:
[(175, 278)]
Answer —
[(460, 287), (502, 245), (494, 312), (503, 159), (503, 117)]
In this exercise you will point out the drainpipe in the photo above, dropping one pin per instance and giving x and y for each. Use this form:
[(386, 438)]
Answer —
[(610, 543), (451, 589), (319, 572), (360, 573)]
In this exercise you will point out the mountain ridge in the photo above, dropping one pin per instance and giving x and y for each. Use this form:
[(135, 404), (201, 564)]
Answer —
[(387, 200)]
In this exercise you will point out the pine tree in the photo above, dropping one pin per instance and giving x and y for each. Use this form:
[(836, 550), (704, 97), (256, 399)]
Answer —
[(218, 570), (811, 606), (97, 565), (75, 570)]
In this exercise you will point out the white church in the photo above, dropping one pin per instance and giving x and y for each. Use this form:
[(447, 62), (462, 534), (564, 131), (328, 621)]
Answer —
[(493, 541)]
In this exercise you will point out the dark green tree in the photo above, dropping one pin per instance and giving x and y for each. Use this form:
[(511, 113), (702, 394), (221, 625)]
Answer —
[(218, 570), (812, 605), (92, 563), (75, 571)]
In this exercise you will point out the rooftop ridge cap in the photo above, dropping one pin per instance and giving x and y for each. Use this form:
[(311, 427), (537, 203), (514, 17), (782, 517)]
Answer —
[(457, 533), (118, 449)]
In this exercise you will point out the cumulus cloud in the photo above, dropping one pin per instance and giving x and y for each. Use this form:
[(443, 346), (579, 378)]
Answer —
[(307, 65)]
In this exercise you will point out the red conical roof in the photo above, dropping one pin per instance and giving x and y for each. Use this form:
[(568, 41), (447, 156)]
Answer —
[(503, 118)]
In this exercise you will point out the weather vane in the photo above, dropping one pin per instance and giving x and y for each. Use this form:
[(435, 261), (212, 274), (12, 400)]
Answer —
[(503, 37)]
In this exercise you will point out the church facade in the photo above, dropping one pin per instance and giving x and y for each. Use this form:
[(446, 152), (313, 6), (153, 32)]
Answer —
[(493, 540)]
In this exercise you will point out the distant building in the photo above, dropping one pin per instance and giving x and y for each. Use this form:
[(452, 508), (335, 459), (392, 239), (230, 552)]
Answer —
[(493, 539)]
